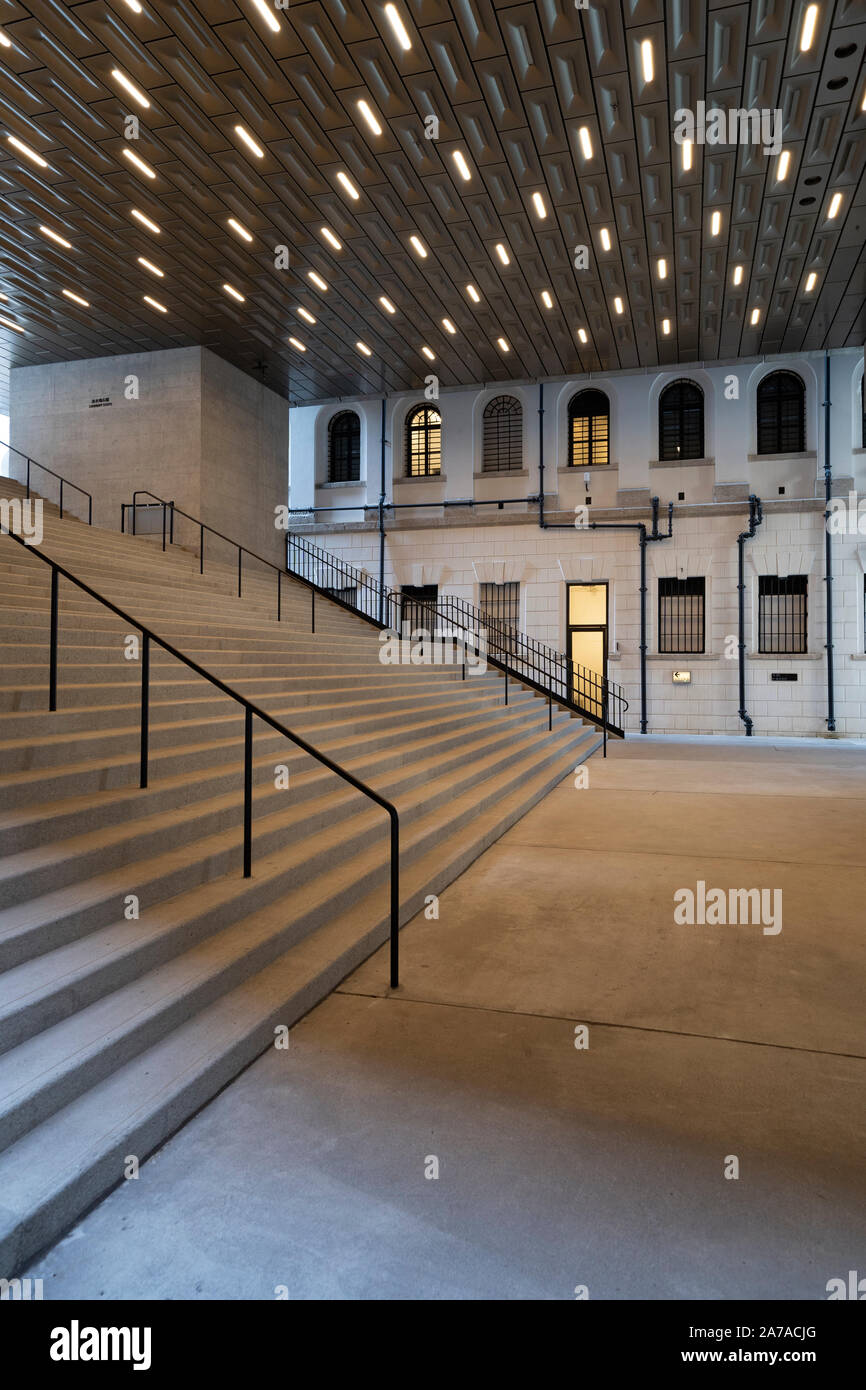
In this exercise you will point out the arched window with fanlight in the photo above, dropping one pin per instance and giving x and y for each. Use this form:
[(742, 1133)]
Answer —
[(423, 442), (502, 441), (781, 408), (681, 422), (344, 448), (588, 430)]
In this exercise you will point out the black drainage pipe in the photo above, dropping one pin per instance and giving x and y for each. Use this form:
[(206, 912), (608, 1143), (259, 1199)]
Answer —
[(828, 553), (756, 516)]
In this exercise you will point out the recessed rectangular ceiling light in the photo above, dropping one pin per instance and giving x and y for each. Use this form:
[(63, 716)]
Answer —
[(366, 112), (296, 343), (138, 163), (448, 326), (129, 87), (362, 347), (386, 304), (502, 345), (348, 185), (7, 323), (149, 265), (604, 237), (756, 314), (55, 236), (666, 326), (419, 246), (473, 294), (502, 254), (235, 294), (581, 333), (783, 166), (585, 142), (5, 41), (738, 274), (305, 314), (835, 204), (547, 299), (538, 204), (331, 239), (398, 26), (134, 6), (4, 298), (715, 224), (268, 15), (618, 305), (462, 167), (76, 299), (687, 155), (863, 102), (243, 134), (145, 221), (646, 58), (662, 267), (155, 304), (26, 150), (807, 33), (317, 280), (431, 356), (811, 281), (242, 232)]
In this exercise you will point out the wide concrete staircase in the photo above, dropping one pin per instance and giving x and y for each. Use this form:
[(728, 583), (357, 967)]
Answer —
[(116, 1027)]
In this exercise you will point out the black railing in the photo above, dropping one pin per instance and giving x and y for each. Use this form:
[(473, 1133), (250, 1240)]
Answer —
[(64, 482), (169, 510), (519, 656), (250, 711)]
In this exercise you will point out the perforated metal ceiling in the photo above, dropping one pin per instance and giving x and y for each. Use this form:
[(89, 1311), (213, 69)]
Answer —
[(512, 86)]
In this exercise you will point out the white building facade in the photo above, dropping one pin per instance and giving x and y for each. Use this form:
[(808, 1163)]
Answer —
[(704, 437)]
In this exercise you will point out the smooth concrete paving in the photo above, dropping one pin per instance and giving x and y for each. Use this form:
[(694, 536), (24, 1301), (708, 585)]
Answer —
[(558, 1166)]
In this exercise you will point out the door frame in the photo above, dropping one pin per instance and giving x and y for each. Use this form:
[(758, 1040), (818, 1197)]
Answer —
[(603, 628)]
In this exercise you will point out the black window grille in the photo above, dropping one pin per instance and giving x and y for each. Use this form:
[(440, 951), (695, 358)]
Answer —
[(501, 602), (782, 603), (681, 422), (344, 448), (588, 429), (414, 616), (781, 414), (502, 438), (682, 620), (423, 442)]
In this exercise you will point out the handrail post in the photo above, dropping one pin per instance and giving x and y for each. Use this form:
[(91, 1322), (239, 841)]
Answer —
[(145, 707), (28, 480), (312, 609), (123, 518), (52, 660), (61, 499), (248, 791), (395, 899), (90, 509), (163, 525), (279, 596), (506, 685), (240, 563), (134, 514), (549, 711), (201, 549), (171, 531)]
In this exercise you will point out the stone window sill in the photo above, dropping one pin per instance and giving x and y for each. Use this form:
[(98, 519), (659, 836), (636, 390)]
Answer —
[(682, 463), (771, 458), (423, 478), (354, 482), (577, 469), (505, 473), (673, 658), (785, 656)]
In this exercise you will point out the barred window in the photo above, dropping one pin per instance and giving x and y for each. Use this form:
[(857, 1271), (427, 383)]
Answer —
[(502, 442), (414, 613), (423, 442), (781, 414), (588, 429), (501, 602), (344, 448), (782, 613), (681, 422), (682, 626)]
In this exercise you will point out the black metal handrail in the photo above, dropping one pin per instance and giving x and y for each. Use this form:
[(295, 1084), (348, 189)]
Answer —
[(551, 672), (64, 482), (250, 711), (168, 511)]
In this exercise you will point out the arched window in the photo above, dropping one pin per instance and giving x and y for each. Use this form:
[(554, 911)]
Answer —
[(781, 414), (502, 443), (681, 421), (588, 429), (862, 413), (344, 448), (423, 442)]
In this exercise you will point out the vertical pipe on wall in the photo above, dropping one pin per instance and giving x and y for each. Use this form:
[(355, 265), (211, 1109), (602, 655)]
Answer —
[(382, 519), (756, 516), (541, 454), (828, 554)]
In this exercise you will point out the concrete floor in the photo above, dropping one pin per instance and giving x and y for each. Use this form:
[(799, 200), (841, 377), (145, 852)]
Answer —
[(558, 1167)]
